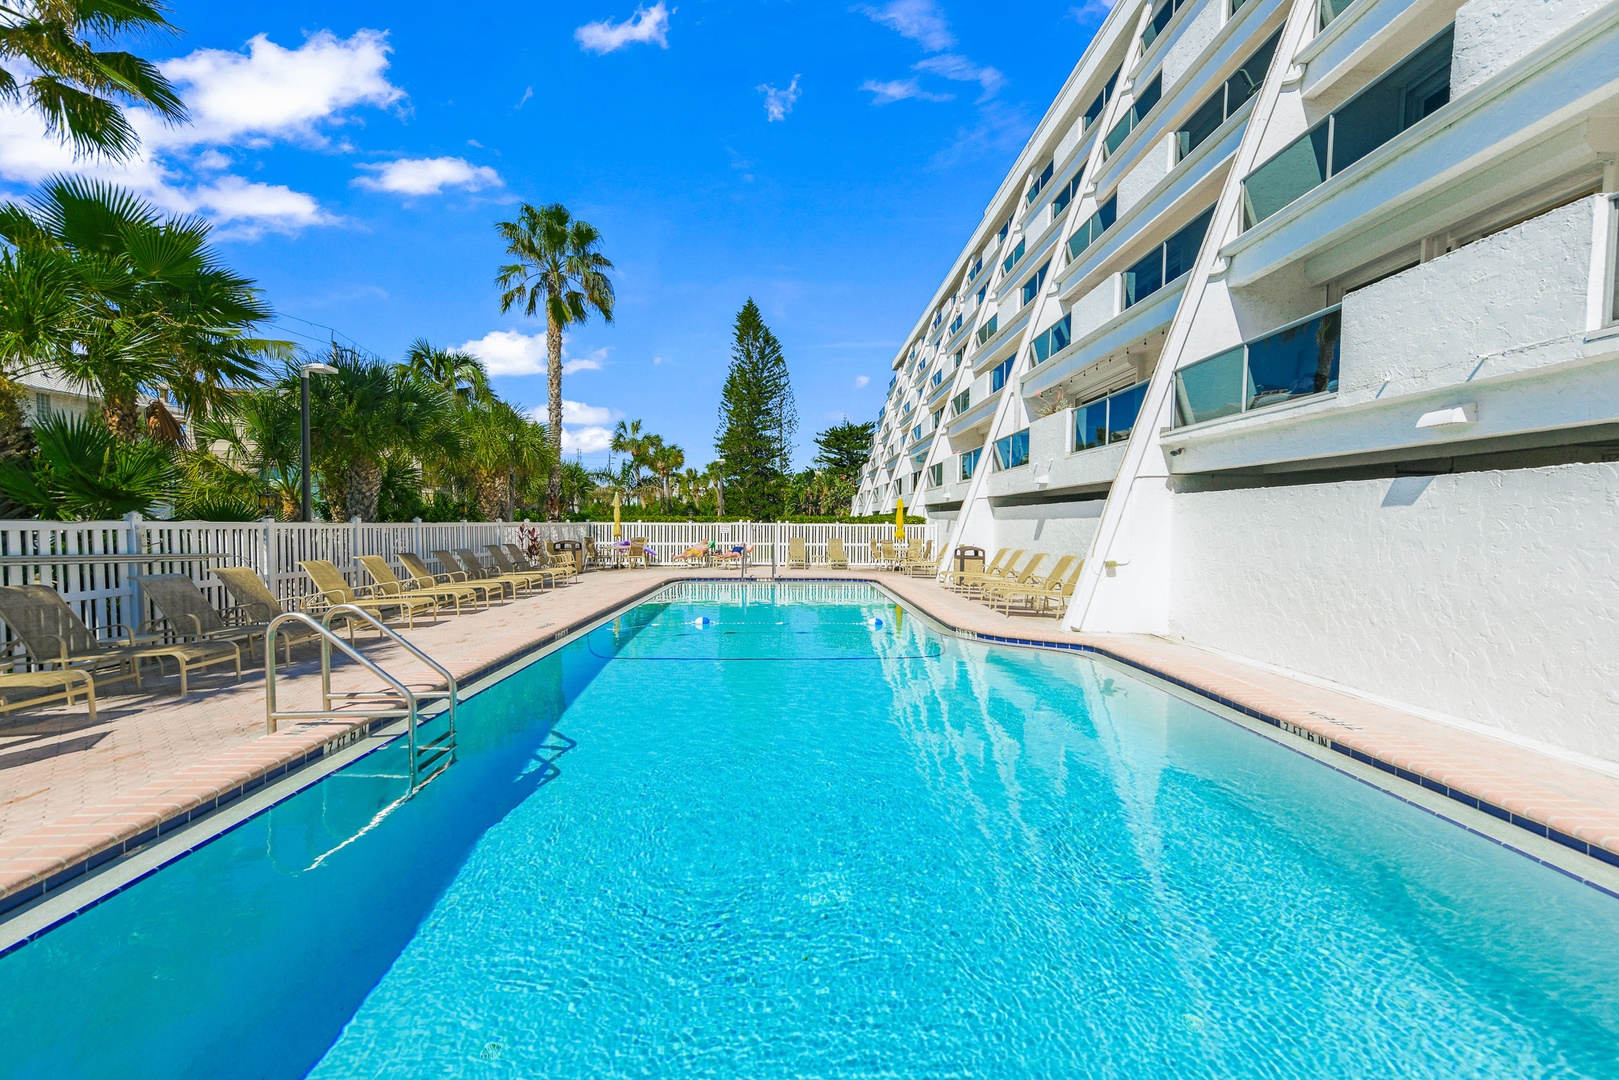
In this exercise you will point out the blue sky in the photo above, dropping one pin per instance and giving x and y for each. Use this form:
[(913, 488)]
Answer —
[(827, 159)]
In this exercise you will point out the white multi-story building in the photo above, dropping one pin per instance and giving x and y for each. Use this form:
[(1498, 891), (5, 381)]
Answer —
[(1297, 319)]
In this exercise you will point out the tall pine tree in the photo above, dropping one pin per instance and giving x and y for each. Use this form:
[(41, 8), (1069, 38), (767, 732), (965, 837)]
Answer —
[(757, 420)]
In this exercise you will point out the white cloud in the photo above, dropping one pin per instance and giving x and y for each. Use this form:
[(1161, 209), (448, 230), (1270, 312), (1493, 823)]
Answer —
[(648, 26), (860, 381), (272, 92), (778, 103), (512, 352), (961, 69), (427, 176), (247, 99), (919, 20), (586, 440), (577, 412), (584, 427), (528, 92), (656, 360), (886, 93)]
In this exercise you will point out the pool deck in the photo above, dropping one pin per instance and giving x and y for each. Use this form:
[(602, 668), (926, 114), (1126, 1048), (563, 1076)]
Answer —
[(76, 795)]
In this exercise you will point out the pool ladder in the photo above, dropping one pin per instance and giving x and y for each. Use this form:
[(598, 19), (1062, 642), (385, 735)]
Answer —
[(428, 758)]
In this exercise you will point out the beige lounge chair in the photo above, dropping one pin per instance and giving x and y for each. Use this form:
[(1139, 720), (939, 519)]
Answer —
[(952, 578), (1009, 571), (332, 590), (425, 580), (386, 583), (1028, 576), (886, 556), (20, 689), (187, 614), (919, 562), (1055, 588), (969, 581), (797, 553), (835, 555), (469, 564), (474, 562), (504, 564), (564, 571), (53, 636)]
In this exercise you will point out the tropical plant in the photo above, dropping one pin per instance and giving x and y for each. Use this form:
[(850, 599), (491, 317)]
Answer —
[(757, 418), (629, 440), (844, 448), (50, 63), (252, 451), (459, 374), (81, 470), (125, 302), (665, 460), (507, 454), (556, 266)]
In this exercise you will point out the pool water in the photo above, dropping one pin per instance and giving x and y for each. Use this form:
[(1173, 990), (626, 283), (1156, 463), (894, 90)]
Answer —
[(790, 831)]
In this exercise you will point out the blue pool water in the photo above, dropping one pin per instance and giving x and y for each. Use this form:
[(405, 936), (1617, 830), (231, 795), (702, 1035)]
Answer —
[(808, 837)]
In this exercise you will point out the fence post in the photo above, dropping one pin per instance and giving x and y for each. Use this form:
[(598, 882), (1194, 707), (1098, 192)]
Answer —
[(132, 546)]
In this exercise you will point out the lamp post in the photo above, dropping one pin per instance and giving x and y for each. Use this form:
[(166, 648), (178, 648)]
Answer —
[(511, 469), (719, 480), (304, 372)]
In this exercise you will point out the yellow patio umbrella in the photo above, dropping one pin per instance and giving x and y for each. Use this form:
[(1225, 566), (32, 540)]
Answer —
[(899, 520), (618, 524)]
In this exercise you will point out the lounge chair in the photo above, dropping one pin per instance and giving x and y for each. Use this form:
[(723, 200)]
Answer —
[(696, 555), (386, 583), (426, 580), (520, 560), (1053, 588), (469, 564), (503, 563), (1029, 575), (967, 580), (187, 614), (593, 554), (919, 562), (797, 554), (53, 636), (835, 555), (19, 689), (332, 590), (998, 575)]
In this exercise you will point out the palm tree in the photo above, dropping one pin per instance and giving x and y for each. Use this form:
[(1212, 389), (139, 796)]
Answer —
[(82, 470), (666, 460), (627, 439), (459, 374), (129, 302), (48, 62), (555, 265)]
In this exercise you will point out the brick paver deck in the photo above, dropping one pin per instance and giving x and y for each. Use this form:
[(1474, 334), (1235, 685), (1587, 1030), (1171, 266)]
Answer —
[(74, 794)]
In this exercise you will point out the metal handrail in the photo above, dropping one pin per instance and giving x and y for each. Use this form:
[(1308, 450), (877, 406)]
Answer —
[(351, 611)]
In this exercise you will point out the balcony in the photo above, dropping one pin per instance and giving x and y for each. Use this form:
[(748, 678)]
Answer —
[(1415, 89), (1054, 339), (1058, 468), (1166, 262), (1299, 360), (1144, 103)]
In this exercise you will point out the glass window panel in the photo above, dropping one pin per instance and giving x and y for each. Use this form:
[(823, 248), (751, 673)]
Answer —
[(1144, 278), (1181, 249), (1300, 360), (1107, 214), (1210, 388), (997, 378), (1123, 407), (1331, 9), (1413, 90), (1147, 98), (1245, 83), (969, 462), (1203, 123), (1291, 173), (1090, 425)]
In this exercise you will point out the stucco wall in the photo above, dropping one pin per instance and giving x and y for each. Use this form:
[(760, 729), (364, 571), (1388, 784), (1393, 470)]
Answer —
[(1185, 50), (1493, 34), (1094, 308), (1433, 324), (1056, 529), (1154, 165), (1492, 596)]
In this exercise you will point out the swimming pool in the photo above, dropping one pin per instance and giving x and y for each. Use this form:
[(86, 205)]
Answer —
[(772, 831)]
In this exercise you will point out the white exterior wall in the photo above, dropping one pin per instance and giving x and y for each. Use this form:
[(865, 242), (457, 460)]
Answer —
[(1192, 40), (1057, 529), (1492, 596), (1493, 34), (1451, 319), (1144, 175)]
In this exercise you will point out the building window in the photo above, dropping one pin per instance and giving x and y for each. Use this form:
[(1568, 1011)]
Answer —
[(1012, 259), (42, 406), (1094, 113), (961, 402), (987, 331), (1097, 224), (1040, 183), (1013, 450), (1060, 201), (998, 377), (1031, 288), (1167, 261), (1224, 102), (1054, 340), (1161, 18), (1331, 9), (978, 266), (969, 462), (1417, 88), (1109, 419), (936, 474), (1143, 104), (1613, 260), (1296, 361)]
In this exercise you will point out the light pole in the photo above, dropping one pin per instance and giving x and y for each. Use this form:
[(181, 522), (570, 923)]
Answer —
[(719, 480), (511, 469), (304, 372)]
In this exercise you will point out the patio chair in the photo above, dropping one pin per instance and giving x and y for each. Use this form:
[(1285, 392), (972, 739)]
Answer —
[(425, 580), (1053, 588), (19, 689), (797, 553), (593, 554), (53, 636), (835, 555), (919, 562), (1015, 578), (463, 560), (387, 583), (544, 575), (189, 615), (696, 555), (962, 580), (331, 590), (565, 570), (885, 556)]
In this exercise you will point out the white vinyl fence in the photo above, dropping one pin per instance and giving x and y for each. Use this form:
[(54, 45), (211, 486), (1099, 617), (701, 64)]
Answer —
[(861, 543), (96, 565)]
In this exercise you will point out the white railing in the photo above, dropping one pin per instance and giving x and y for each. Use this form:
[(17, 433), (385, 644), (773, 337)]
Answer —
[(96, 565), (861, 543)]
